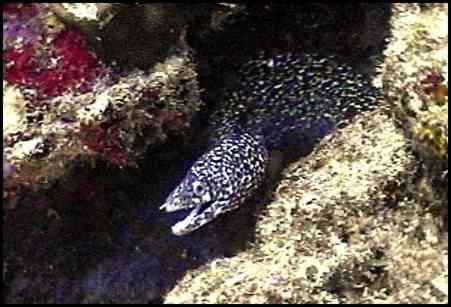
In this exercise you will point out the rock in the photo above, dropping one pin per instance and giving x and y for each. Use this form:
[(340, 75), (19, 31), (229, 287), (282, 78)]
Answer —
[(150, 29), (65, 106), (415, 77), (352, 221), (344, 226)]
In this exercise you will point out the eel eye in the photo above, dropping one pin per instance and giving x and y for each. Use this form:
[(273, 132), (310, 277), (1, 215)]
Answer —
[(198, 188)]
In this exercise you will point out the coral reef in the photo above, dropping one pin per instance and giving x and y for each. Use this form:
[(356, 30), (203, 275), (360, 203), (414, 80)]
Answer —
[(415, 80), (360, 218), (64, 106), (416, 77)]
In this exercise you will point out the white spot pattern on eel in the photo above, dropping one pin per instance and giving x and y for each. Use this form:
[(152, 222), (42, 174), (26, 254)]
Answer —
[(275, 98)]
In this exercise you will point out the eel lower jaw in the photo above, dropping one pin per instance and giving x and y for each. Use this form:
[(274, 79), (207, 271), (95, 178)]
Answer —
[(181, 227), (188, 223)]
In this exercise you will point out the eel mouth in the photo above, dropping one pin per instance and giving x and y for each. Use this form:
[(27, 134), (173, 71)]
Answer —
[(186, 218)]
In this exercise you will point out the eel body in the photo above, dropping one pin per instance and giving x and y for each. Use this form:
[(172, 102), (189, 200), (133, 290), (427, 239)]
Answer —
[(277, 101)]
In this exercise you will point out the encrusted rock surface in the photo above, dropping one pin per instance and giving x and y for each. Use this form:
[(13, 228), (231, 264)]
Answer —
[(416, 77), (344, 226), (361, 219), (64, 107)]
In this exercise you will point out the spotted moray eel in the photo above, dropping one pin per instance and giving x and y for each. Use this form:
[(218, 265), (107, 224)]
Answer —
[(277, 100)]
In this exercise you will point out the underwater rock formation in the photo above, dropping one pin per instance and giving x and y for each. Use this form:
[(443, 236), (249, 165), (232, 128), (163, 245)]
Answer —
[(358, 220), (416, 77), (343, 226), (353, 221), (63, 106), (150, 29)]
